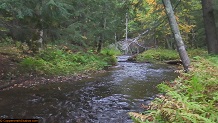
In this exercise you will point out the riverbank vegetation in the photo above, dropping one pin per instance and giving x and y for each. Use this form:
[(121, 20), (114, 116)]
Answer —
[(83, 26), (69, 37), (160, 54), (192, 97), (154, 55), (54, 61), (58, 61), (58, 38)]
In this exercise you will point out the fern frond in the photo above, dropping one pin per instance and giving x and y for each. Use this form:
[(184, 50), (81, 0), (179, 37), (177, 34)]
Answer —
[(195, 118), (141, 117)]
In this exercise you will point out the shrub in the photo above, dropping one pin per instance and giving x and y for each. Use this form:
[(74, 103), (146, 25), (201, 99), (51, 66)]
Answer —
[(110, 52), (34, 65)]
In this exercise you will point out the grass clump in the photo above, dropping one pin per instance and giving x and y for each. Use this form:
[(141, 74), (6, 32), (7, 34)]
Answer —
[(110, 55), (191, 98), (152, 55), (110, 52), (54, 61)]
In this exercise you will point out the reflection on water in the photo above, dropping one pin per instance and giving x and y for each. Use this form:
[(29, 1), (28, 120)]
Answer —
[(106, 98)]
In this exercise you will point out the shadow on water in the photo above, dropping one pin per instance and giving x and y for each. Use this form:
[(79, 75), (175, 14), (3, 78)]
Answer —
[(105, 98)]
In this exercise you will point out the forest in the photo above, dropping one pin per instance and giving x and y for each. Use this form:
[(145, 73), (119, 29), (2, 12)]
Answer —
[(53, 41)]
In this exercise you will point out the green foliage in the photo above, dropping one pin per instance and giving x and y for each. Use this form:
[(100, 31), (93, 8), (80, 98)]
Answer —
[(157, 55), (196, 52), (191, 98), (163, 87), (6, 42), (213, 59), (78, 22), (150, 14), (35, 65), (152, 55), (195, 87), (110, 52), (54, 61)]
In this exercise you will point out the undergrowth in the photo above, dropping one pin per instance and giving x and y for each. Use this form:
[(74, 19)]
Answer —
[(191, 98), (158, 54), (54, 61)]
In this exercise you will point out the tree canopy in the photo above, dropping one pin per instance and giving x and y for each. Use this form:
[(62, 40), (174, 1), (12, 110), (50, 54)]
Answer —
[(92, 23)]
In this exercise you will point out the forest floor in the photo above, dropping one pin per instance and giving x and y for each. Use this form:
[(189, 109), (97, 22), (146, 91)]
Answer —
[(11, 76), (8, 64), (192, 97)]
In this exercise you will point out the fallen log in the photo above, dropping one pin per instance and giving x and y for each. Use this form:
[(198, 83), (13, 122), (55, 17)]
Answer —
[(132, 58), (174, 62)]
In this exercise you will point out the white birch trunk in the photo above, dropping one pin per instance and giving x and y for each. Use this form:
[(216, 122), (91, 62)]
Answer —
[(176, 33), (40, 41), (126, 26)]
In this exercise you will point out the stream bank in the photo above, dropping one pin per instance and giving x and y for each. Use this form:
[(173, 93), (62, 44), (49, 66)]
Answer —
[(105, 97), (192, 97)]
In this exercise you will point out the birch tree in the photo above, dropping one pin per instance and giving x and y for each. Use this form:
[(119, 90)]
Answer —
[(176, 33)]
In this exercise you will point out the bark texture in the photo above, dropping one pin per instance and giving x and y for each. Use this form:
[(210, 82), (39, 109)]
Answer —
[(176, 33), (210, 26)]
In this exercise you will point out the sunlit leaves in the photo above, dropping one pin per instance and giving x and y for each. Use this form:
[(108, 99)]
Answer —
[(149, 13)]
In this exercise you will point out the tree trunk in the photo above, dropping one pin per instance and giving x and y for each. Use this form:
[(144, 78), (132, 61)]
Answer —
[(210, 26), (126, 26), (101, 38), (36, 42), (176, 33), (40, 41), (100, 44)]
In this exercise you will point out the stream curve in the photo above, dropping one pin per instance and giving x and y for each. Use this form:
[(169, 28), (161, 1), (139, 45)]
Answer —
[(104, 98)]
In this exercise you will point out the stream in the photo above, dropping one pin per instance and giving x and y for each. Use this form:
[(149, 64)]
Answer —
[(104, 98)]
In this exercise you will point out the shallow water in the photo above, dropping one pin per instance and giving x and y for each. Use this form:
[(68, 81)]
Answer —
[(105, 98)]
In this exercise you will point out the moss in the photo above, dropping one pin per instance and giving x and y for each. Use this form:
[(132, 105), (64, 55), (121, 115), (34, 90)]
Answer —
[(157, 55)]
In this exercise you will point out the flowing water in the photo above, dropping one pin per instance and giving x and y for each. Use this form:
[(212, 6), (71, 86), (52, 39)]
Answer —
[(104, 98)]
